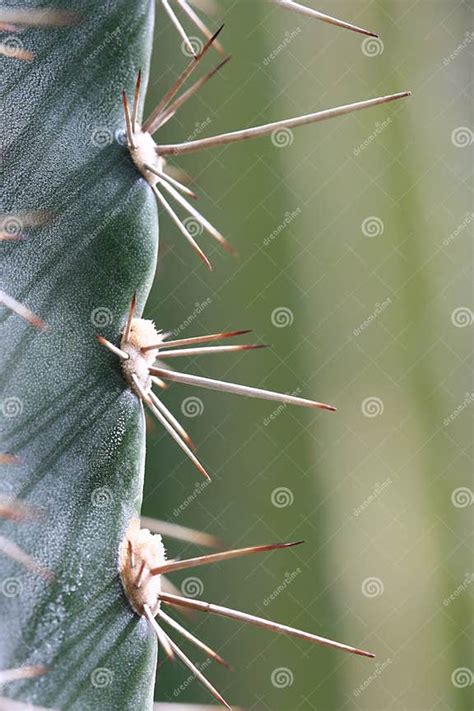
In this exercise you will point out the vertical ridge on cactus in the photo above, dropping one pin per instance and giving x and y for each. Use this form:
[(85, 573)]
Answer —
[(78, 439)]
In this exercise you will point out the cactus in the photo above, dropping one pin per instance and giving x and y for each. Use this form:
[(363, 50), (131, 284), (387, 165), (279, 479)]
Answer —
[(76, 434), (80, 231)]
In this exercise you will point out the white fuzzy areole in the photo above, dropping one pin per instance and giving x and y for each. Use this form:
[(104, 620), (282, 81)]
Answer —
[(143, 333), (145, 550), (145, 154)]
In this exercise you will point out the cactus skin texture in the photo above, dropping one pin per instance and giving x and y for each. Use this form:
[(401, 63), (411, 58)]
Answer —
[(77, 433)]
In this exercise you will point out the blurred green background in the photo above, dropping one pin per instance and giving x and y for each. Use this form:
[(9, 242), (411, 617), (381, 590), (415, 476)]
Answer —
[(353, 263)]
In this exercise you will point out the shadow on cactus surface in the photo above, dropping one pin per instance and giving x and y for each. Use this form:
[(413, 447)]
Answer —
[(84, 591)]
